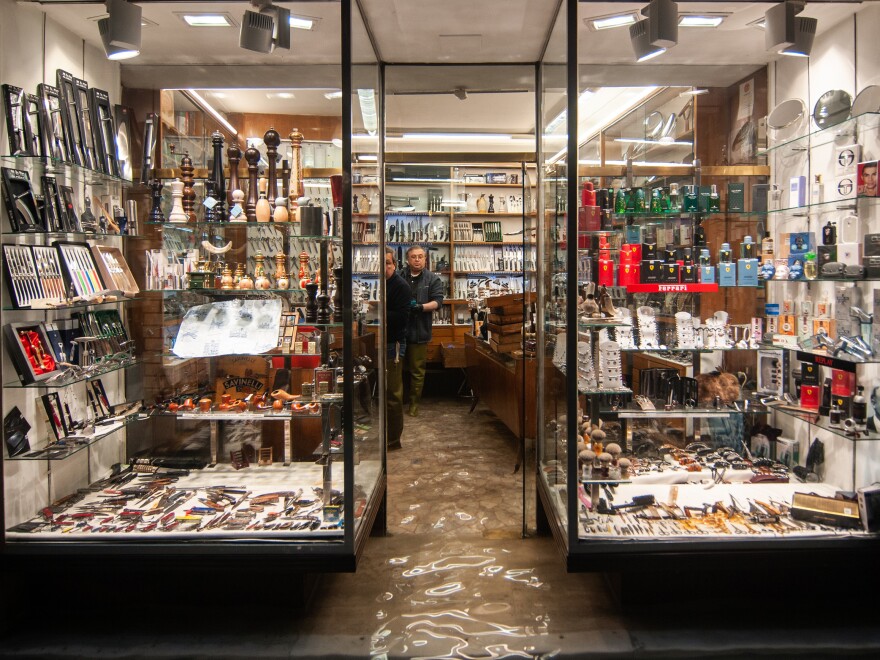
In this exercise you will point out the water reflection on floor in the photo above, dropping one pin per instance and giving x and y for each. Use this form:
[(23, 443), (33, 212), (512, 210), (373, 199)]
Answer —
[(460, 600)]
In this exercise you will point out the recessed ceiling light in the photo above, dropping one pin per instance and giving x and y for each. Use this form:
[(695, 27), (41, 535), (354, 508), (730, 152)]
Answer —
[(761, 23), (612, 21), (218, 95), (279, 95), (303, 22), (700, 20), (206, 20), (145, 22), (333, 95)]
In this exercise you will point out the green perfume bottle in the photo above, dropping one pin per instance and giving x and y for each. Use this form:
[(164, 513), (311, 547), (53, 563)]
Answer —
[(640, 205), (691, 199), (714, 200), (656, 202), (620, 201)]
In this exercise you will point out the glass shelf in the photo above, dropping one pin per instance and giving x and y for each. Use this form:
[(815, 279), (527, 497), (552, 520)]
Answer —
[(858, 124), (227, 292), (823, 423), (58, 451), (704, 413), (91, 376), (825, 279), (822, 356), (246, 416), (72, 306), (68, 170), (289, 226), (622, 390), (69, 234), (602, 323)]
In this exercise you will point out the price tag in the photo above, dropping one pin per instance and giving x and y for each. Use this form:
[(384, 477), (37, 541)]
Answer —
[(235, 212), (210, 202)]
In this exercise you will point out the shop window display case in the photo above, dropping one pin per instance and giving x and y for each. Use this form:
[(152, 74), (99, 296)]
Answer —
[(667, 371), (196, 376)]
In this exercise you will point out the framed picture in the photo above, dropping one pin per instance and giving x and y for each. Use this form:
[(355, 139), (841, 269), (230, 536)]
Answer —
[(21, 275), (114, 269), (104, 132), (868, 179), (21, 205), (79, 268), (70, 117), (53, 206), (30, 352), (55, 413), (53, 138), (82, 103), (14, 104)]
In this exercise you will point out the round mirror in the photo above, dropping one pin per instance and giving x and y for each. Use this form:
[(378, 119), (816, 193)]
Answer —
[(832, 108), (868, 100), (785, 114), (653, 125)]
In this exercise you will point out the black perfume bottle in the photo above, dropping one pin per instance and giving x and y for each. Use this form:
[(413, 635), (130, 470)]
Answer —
[(829, 234)]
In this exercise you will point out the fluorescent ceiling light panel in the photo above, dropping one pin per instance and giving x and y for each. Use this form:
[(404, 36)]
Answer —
[(196, 98), (660, 141), (612, 21), (333, 95), (700, 20), (302, 22), (207, 20), (457, 136), (367, 157)]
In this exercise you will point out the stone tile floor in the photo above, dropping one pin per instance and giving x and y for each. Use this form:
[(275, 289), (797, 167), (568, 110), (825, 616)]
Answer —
[(453, 578)]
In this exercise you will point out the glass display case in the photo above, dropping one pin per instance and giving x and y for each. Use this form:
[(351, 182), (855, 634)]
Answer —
[(194, 373), (697, 384)]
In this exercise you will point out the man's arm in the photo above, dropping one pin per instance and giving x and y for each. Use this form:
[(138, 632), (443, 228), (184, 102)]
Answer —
[(435, 295)]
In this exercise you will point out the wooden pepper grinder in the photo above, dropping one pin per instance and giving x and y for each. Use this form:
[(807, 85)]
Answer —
[(217, 178), (252, 156), (233, 155), (263, 208), (295, 188), (189, 195), (272, 140)]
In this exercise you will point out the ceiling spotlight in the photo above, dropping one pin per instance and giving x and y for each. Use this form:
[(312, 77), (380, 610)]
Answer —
[(121, 30), (460, 93), (638, 35), (611, 21), (805, 32), (662, 16), (780, 25), (265, 29)]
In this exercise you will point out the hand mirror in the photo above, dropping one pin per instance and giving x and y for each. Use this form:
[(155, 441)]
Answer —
[(832, 108), (868, 100), (786, 119), (653, 125)]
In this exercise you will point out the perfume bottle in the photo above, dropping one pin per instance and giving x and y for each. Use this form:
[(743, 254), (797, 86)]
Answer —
[(606, 265), (747, 248), (705, 259), (588, 194), (724, 254), (620, 201), (767, 247), (829, 234), (699, 234), (656, 203), (691, 200), (811, 268), (714, 200), (860, 408), (674, 198), (639, 202), (817, 190), (834, 416)]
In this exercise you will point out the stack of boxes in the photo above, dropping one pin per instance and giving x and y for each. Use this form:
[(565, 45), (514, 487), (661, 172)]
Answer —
[(505, 322)]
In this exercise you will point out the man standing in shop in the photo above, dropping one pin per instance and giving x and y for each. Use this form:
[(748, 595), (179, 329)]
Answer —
[(397, 300), (427, 296)]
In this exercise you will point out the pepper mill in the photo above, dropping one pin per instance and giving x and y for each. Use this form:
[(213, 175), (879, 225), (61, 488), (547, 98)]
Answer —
[(324, 311), (156, 214), (337, 295), (217, 178), (189, 195), (252, 156), (491, 204), (177, 213), (272, 140), (260, 279), (282, 281), (312, 303), (303, 269), (233, 154), (263, 209), (280, 214), (295, 188)]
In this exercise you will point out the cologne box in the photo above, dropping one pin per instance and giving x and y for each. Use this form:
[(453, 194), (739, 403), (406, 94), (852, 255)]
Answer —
[(747, 272), (787, 324), (797, 191), (848, 253), (760, 191), (872, 266), (670, 274), (810, 396), (825, 254), (801, 242), (736, 197), (871, 245), (649, 251), (845, 187), (824, 326), (809, 373), (688, 274), (842, 402), (707, 274), (727, 274), (843, 383), (633, 234), (589, 218), (629, 274), (651, 271), (846, 159)]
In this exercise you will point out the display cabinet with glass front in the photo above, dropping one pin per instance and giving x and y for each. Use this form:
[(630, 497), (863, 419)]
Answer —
[(703, 391), (250, 415)]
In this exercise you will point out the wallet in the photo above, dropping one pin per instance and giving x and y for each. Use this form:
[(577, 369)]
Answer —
[(833, 269)]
